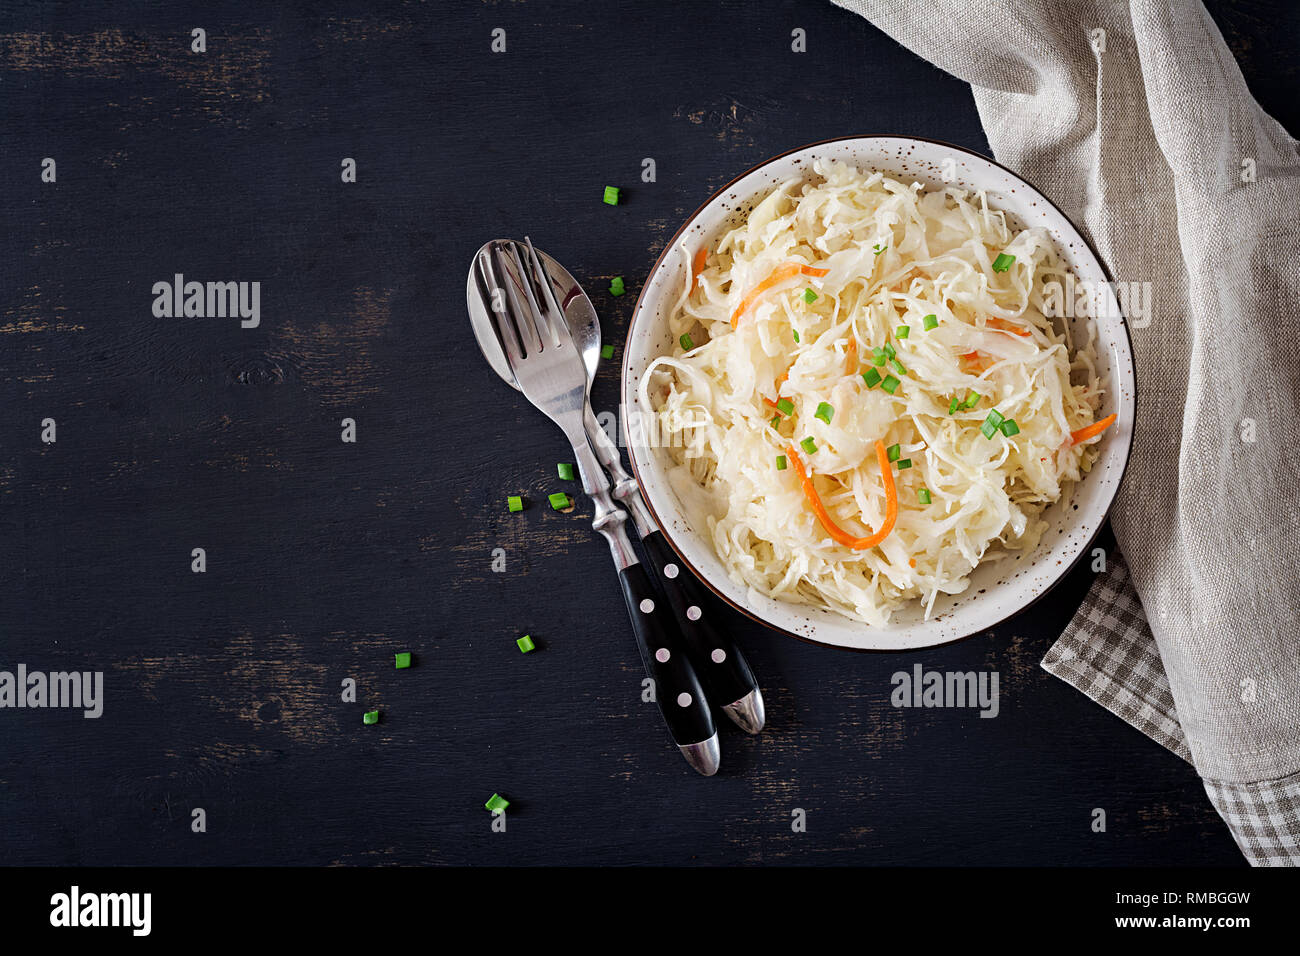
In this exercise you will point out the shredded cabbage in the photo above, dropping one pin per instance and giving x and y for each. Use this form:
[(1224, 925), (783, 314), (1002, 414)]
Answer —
[(895, 253)]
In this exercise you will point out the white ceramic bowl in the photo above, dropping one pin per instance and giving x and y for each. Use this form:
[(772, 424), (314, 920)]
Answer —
[(997, 590)]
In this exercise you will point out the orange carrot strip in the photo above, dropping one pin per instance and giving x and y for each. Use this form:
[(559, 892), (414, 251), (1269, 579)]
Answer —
[(768, 401), (834, 530), (1092, 431), (781, 379), (911, 562), (697, 266), (1005, 326), (778, 276), (851, 356)]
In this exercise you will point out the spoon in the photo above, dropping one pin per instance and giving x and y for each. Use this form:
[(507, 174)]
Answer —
[(720, 663)]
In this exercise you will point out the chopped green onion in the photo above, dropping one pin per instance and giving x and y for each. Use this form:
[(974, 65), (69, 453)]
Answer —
[(497, 802), (879, 248), (904, 463), (1009, 427), (780, 462), (952, 406), (607, 351), (565, 470), (972, 399), (370, 717), (616, 287), (559, 501), (402, 661), (889, 350), (894, 452), (526, 644), (796, 336), (930, 321), (897, 366), (687, 342), (515, 503), (871, 377), (611, 195), (992, 423), (1003, 262), (776, 421), (809, 445), (824, 412), (809, 295), (890, 384), (923, 495), (785, 406), (903, 331), (878, 357)]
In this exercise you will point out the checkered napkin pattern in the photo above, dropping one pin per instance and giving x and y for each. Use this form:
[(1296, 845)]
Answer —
[(1134, 118), (1108, 653), (1264, 818)]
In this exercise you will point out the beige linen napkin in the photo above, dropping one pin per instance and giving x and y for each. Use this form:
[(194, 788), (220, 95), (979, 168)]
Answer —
[(1134, 118)]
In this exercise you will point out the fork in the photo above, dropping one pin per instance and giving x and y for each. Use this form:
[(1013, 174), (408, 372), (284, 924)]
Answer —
[(548, 368)]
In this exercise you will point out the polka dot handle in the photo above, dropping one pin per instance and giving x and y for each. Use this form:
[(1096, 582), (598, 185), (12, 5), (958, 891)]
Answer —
[(678, 692), (722, 666)]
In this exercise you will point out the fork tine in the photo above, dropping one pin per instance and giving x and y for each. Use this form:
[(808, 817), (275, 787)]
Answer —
[(514, 276), (492, 290), (545, 325), (556, 315)]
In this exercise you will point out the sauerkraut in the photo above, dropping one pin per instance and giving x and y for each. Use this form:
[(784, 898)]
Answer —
[(866, 310)]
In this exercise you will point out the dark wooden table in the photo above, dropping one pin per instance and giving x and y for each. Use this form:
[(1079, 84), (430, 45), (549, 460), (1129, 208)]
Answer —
[(223, 689)]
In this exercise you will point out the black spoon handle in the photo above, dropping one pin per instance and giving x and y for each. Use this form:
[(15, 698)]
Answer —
[(725, 671)]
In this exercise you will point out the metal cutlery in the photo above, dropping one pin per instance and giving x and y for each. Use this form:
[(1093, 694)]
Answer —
[(725, 672), (544, 363)]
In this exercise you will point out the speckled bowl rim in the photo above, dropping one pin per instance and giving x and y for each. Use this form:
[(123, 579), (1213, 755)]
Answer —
[(1117, 374)]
